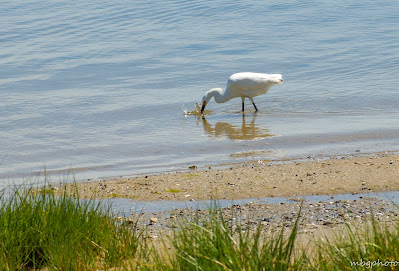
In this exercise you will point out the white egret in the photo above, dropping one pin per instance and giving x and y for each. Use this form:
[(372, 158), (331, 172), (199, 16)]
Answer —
[(244, 85)]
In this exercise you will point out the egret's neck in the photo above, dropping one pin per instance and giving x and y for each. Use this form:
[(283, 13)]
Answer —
[(219, 95)]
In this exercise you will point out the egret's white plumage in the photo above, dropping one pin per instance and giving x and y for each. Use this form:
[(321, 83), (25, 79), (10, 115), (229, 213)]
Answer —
[(244, 85)]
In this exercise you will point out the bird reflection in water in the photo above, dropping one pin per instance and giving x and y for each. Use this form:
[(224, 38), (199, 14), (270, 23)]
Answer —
[(247, 131)]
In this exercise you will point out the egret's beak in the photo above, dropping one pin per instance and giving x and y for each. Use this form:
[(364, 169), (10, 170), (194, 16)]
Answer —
[(203, 106)]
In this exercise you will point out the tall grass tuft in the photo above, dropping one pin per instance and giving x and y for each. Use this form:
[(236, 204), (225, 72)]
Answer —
[(39, 230), (216, 244), (374, 246)]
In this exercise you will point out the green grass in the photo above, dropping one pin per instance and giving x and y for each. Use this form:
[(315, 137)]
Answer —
[(48, 232), (40, 230), (170, 190), (371, 247), (216, 244), (190, 175)]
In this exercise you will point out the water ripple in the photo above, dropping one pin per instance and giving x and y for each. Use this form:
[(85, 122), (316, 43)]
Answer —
[(95, 83)]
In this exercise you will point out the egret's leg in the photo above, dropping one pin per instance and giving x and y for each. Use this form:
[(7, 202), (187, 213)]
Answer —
[(252, 100), (242, 99), (256, 109)]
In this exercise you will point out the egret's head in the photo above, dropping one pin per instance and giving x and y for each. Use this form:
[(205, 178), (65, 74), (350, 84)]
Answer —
[(214, 92)]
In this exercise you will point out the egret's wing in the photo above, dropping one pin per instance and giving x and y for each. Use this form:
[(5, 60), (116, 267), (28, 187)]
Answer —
[(252, 84)]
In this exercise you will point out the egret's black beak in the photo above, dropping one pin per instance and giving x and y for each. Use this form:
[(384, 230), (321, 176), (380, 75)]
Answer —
[(203, 106)]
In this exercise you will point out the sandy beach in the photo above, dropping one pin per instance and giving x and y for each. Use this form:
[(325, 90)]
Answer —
[(336, 175), (377, 172)]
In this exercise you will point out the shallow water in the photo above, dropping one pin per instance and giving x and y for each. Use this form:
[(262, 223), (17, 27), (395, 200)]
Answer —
[(126, 207), (100, 88)]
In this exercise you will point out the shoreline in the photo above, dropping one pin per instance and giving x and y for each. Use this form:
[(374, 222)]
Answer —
[(377, 172)]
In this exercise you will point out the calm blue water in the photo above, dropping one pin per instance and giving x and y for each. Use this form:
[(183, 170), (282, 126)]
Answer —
[(99, 88)]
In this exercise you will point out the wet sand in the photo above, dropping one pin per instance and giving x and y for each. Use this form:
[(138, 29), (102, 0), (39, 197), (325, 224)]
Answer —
[(336, 175)]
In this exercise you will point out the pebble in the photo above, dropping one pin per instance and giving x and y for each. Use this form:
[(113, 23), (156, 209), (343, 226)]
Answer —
[(130, 221)]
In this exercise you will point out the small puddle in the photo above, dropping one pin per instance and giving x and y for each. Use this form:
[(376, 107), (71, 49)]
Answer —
[(126, 207)]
